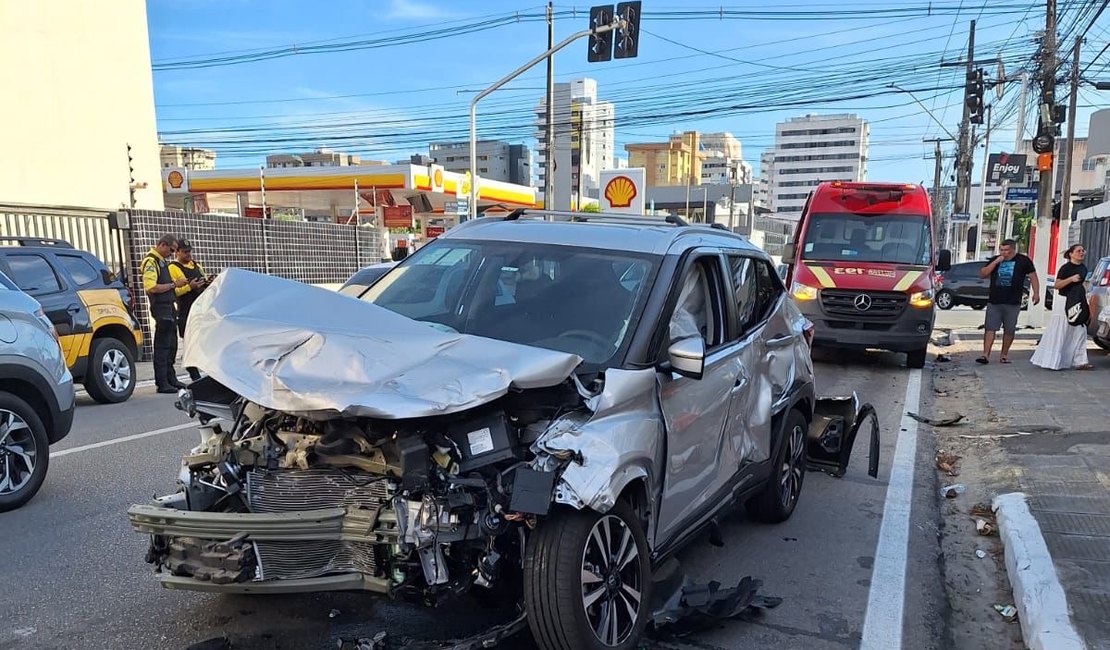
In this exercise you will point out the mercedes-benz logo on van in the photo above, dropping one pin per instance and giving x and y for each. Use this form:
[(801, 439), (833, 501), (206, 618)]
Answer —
[(862, 302)]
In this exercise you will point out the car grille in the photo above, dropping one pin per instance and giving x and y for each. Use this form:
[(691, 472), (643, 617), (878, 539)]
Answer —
[(295, 490), (883, 304)]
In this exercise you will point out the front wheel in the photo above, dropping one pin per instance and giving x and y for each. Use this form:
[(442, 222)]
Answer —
[(587, 580), (24, 452), (111, 376), (776, 502), (945, 299)]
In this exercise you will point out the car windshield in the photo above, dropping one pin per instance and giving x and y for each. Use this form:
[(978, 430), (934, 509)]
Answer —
[(363, 279), (890, 238), (578, 300)]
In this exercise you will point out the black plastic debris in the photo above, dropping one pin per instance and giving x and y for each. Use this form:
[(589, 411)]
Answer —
[(487, 639), (217, 643), (682, 606), (943, 358), (947, 422)]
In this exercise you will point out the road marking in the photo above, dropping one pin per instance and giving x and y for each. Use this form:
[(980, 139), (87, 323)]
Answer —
[(882, 624), (116, 441)]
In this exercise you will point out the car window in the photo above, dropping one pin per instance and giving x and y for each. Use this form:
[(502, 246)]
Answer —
[(745, 286), (769, 289), (7, 284), (698, 311), (33, 274), (79, 269)]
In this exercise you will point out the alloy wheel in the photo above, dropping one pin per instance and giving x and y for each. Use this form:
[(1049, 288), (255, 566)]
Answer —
[(18, 452), (116, 371), (793, 465), (611, 581), (944, 300)]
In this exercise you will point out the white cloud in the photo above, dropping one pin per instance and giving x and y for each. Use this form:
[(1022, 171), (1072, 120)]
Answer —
[(412, 10)]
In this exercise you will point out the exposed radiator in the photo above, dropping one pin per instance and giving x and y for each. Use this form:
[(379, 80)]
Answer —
[(292, 490)]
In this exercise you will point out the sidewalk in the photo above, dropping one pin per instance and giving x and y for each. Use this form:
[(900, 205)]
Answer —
[(1058, 454)]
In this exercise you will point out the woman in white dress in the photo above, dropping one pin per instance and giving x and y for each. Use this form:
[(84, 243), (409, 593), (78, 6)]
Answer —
[(1064, 345)]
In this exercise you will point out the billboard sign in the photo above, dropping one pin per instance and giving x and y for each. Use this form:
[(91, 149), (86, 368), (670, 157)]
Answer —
[(1006, 167), (622, 190), (397, 216)]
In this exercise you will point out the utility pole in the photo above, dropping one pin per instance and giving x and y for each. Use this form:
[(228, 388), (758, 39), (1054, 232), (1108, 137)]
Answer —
[(937, 171), (1065, 198), (549, 137), (1042, 244), (963, 148), (983, 185)]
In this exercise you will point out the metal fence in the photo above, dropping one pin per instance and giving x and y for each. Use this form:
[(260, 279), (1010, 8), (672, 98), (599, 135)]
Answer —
[(85, 229), (314, 253)]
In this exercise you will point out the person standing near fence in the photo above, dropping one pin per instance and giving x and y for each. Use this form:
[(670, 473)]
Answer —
[(159, 287), (188, 269)]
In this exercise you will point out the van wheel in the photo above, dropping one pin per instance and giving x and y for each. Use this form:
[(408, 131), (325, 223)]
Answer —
[(110, 377), (776, 502), (587, 580), (916, 359), (24, 452)]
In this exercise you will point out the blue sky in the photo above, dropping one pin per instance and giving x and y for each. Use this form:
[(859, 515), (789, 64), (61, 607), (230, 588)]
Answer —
[(700, 72)]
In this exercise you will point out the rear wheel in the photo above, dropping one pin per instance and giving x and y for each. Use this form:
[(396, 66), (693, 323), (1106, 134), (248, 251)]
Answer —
[(776, 502), (587, 580), (24, 452), (945, 299), (977, 306), (1101, 342), (111, 376), (916, 359)]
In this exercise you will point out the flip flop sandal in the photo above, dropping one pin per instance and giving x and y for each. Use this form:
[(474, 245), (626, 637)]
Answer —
[(1003, 360), (983, 360), (1085, 366)]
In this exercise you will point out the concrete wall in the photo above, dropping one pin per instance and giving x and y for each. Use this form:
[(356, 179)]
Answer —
[(77, 89)]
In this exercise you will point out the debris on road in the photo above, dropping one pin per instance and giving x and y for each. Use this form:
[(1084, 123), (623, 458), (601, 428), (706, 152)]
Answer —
[(952, 491), (488, 639), (946, 463), (997, 436), (980, 553), (984, 527), (1008, 612), (943, 358), (333, 613), (217, 643), (694, 605), (984, 519), (936, 423)]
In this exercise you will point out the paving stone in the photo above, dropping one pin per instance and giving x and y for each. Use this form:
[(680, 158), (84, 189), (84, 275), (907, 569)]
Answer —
[(1094, 505), (1077, 547), (1074, 524)]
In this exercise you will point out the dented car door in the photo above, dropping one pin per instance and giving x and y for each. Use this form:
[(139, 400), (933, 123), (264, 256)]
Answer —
[(695, 410)]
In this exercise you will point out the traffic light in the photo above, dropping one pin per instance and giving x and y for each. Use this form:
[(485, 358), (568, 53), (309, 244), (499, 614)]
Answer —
[(973, 95), (601, 45), (627, 41)]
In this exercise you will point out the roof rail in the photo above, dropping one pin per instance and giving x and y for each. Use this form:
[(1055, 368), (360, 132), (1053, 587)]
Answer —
[(37, 241), (602, 217)]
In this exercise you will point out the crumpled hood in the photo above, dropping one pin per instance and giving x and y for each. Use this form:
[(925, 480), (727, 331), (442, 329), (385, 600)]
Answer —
[(297, 348)]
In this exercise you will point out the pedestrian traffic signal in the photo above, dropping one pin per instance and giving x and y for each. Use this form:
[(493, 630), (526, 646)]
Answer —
[(627, 41), (601, 45), (973, 96)]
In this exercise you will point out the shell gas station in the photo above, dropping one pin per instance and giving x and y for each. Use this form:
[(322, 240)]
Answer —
[(415, 203)]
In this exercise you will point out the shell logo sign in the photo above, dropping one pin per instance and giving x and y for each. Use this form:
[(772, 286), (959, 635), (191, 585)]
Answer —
[(437, 178), (174, 180), (623, 190), (619, 191)]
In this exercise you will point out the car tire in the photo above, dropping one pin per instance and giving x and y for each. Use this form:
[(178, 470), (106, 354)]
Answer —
[(563, 609), (110, 377), (776, 502), (23, 442), (978, 306), (1101, 342), (946, 299), (916, 358)]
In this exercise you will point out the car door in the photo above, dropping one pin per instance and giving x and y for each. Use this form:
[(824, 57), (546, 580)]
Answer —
[(745, 435), (695, 410), (973, 287), (36, 276)]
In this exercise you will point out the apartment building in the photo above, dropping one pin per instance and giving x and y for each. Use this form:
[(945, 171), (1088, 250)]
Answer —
[(584, 141), (812, 149), (317, 158), (188, 157), (497, 160)]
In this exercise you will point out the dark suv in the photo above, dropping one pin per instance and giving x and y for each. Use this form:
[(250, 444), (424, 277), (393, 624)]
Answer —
[(961, 285), (90, 307)]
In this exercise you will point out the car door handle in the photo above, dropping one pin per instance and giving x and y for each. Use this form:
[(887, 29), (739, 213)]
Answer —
[(741, 382), (780, 341), (73, 309)]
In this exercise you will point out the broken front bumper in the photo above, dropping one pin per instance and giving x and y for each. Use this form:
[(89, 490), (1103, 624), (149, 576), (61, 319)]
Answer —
[(241, 552)]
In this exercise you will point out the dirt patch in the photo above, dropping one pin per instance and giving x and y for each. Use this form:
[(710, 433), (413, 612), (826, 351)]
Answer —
[(974, 585)]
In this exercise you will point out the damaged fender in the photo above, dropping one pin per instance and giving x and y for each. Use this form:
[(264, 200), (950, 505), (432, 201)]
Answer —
[(621, 441)]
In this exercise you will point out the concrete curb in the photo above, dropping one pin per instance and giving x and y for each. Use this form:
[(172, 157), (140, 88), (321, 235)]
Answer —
[(1039, 597)]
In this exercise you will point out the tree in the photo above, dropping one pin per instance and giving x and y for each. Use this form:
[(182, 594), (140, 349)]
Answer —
[(990, 214), (590, 207)]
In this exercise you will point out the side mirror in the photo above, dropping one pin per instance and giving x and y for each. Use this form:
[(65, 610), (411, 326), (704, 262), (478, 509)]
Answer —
[(788, 253), (687, 357), (944, 260)]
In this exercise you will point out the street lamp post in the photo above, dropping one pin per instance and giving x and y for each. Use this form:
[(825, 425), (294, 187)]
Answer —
[(473, 208)]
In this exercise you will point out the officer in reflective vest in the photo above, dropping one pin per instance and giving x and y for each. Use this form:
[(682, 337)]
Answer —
[(159, 287), (185, 267)]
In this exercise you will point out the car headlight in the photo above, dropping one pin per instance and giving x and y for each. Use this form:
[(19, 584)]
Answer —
[(803, 291), (922, 299)]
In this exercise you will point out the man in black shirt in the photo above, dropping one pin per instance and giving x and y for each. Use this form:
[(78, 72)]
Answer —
[(1007, 272)]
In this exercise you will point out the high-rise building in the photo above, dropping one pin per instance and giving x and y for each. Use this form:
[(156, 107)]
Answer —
[(188, 157), (317, 158), (675, 162), (764, 194), (724, 160), (583, 141), (497, 160), (813, 149)]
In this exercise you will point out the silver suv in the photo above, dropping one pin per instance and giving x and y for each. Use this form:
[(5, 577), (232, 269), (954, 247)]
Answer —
[(533, 409), (36, 395)]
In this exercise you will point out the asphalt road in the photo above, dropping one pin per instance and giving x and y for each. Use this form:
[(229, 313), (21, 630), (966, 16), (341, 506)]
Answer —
[(72, 573)]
